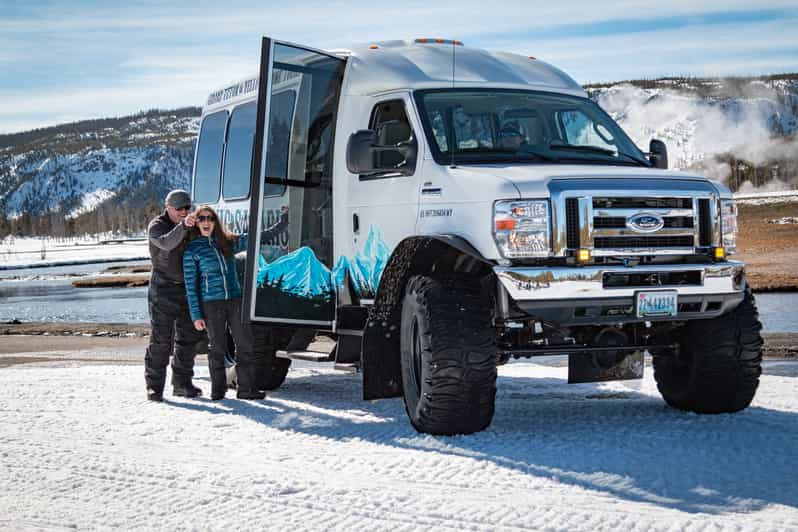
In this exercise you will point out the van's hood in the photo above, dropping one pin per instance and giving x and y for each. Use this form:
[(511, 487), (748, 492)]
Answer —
[(533, 180)]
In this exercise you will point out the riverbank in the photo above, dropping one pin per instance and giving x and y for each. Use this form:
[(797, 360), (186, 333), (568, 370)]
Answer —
[(44, 337)]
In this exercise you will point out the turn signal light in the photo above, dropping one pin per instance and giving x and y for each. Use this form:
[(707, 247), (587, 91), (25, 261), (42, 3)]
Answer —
[(583, 255), (505, 225), (720, 253)]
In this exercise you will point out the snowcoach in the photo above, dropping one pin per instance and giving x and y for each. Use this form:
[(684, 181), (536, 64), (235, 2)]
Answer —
[(451, 209)]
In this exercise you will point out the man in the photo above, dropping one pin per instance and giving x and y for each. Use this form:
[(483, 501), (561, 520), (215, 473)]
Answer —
[(172, 332), (510, 137)]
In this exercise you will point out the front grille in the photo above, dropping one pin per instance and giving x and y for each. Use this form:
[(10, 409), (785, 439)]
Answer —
[(632, 217), (704, 223), (642, 203), (619, 222), (631, 242), (572, 222), (648, 279)]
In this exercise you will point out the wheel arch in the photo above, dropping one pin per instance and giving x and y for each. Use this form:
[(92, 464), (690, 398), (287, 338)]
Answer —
[(417, 255)]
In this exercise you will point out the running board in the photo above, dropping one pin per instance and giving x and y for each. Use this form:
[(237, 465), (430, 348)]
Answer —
[(311, 356)]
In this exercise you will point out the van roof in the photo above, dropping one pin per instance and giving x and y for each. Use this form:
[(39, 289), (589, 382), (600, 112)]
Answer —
[(413, 65), (395, 65)]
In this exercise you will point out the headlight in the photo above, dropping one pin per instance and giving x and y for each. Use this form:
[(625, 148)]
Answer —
[(521, 228), (728, 225)]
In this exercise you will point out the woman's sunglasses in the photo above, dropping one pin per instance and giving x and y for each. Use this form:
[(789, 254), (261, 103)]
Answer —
[(208, 218)]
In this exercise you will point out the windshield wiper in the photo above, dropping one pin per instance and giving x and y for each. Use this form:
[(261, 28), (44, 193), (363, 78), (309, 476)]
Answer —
[(596, 149), (636, 159), (581, 147), (498, 154)]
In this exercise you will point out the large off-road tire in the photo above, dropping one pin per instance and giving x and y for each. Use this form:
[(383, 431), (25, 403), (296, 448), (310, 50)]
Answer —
[(448, 356), (718, 365)]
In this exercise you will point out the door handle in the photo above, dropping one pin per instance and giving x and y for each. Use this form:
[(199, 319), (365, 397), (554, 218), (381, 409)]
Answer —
[(355, 223)]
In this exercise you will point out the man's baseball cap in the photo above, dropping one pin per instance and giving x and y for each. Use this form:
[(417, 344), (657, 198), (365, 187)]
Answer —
[(178, 198)]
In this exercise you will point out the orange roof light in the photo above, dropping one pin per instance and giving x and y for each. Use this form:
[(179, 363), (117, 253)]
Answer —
[(373, 47), (533, 58), (439, 41)]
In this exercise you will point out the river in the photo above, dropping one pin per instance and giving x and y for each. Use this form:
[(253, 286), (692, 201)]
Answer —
[(46, 294)]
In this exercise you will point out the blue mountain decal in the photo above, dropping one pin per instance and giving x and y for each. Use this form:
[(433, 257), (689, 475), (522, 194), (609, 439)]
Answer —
[(299, 273), (366, 268)]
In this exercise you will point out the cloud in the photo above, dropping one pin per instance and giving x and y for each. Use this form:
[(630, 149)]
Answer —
[(88, 59)]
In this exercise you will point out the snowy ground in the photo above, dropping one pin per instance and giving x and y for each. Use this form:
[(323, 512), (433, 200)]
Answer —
[(80, 448)]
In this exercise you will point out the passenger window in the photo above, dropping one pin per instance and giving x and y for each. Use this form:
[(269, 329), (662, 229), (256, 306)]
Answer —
[(208, 168), (581, 130), (238, 156), (390, 121)]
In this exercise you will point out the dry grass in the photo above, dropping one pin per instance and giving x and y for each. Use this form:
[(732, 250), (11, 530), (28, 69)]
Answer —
[(769, 250)]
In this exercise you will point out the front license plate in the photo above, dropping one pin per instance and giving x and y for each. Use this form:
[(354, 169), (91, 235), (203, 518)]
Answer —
[(656, 304)]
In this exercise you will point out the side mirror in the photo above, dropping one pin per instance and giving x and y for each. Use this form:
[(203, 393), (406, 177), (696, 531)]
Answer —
[(658, 154), (364, 156)]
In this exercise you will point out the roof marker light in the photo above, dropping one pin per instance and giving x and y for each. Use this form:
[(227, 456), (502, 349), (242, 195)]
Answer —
[(373, 47), (533, 58), (423, 40)]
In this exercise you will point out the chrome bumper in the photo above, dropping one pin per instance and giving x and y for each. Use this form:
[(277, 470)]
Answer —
[(587, 282)]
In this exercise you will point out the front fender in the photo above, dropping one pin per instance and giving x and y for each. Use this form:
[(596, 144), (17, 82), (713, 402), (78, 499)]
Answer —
[(418, 255)]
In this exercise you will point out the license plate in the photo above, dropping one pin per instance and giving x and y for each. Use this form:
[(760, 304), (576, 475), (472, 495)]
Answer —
[(656, 304)]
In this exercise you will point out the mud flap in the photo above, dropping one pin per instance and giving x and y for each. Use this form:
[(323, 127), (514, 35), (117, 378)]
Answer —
[(599, 368)]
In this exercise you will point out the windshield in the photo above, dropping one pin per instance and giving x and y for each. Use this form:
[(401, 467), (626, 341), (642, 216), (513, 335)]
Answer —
[(488, 126)]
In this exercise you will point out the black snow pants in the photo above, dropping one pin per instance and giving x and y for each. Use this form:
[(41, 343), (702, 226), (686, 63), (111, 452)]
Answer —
[(221, 316), (173, 334)]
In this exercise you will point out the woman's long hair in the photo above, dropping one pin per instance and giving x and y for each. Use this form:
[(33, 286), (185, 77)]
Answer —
[(223, 238)]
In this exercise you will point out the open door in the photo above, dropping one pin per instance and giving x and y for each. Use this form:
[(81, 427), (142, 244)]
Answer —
[(290, 223)]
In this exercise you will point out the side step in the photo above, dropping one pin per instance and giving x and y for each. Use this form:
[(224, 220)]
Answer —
[(311, 356)]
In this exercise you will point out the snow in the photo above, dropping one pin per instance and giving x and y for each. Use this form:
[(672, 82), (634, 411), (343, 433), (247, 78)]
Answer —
[(35, 252), (80, 448)]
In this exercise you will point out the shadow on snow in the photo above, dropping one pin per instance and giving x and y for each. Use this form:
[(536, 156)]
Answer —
[(626, 444)]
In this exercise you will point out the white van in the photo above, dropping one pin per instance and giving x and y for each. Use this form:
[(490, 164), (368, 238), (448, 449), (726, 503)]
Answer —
[(453, 208)]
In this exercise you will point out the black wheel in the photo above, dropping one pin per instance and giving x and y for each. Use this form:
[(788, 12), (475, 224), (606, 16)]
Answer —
[(448, 356), (718, 364), (262, 343)]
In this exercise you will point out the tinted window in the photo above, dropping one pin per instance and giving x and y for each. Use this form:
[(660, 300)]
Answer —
[(389, 120), (207, 171), (238, 157), (281, 116), (303, 107)]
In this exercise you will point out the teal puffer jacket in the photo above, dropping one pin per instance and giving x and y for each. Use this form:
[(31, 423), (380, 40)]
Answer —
[(208, 274)]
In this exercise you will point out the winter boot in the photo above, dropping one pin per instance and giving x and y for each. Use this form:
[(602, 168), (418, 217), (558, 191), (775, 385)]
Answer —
[(186, 389), (154, 395), (250, 394), (218, 383)]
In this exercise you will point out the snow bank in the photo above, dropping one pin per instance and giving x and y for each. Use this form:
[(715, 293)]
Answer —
[(35, 252), (80, 448)]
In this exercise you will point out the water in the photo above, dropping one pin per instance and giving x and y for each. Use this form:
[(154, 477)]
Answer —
[(778, 311), (48, 296), (59, 301)]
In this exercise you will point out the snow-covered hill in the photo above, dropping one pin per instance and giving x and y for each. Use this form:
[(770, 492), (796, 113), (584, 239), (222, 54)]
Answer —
[(741, 131), (72, 169)]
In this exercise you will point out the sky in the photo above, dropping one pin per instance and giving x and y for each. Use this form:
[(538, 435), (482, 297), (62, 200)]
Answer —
[(69, 60)]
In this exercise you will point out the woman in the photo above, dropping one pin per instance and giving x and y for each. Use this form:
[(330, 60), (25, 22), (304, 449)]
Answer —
[(214, 301)]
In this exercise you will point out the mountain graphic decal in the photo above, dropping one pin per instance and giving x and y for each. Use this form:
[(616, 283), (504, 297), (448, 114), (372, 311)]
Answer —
[(299, 273), (366, 268)]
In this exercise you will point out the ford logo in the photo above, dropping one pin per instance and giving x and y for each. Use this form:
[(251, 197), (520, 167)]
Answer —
[(645, 223)]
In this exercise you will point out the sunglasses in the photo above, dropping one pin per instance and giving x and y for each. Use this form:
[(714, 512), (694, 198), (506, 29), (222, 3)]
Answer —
[(183, 208), (208, 218)]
